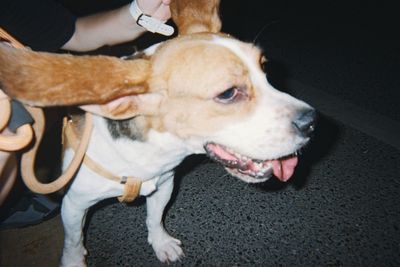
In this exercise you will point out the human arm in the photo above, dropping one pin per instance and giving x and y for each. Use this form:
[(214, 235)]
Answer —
[(113, 27)]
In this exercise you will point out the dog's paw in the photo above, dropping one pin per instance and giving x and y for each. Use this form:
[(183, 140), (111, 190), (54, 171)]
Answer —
[(167, 249), (74, 258), (68, 263)]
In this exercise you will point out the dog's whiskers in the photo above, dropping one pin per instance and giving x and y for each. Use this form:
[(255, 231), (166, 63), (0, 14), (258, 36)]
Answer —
[(263, 29), (220, 178), (225, 184), (223, 176), (206, 160)]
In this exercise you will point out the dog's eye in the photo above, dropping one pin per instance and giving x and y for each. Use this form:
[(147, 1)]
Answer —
[(228, 95)]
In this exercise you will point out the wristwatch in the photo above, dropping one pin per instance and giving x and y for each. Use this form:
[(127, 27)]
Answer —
[(149, 23)]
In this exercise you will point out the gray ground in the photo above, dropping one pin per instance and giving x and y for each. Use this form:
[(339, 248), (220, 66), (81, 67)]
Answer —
[(342, 211)]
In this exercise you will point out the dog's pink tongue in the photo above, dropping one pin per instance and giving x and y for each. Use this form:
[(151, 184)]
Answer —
[(284, 169)]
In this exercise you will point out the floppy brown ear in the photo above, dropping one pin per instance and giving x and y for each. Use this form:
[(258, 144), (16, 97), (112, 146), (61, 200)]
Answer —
[(193, 16), (45, 79)]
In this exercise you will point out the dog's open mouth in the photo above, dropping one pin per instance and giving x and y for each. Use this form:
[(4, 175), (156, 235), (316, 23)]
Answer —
[(252, 170)]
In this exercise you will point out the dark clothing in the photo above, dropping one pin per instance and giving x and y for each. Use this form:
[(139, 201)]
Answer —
[(43, 25), (19, 116)]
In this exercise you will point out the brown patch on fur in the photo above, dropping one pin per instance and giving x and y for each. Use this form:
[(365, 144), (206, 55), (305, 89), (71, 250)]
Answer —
[(45, 79), (192, 71), (196, 16)]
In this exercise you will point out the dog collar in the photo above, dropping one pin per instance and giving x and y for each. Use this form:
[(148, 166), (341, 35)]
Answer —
[(149, 23)]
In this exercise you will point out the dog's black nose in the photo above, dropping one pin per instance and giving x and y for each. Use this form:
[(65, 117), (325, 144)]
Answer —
[(304, 123)]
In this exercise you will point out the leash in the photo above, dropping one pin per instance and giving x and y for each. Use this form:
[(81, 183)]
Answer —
[(24, 134), (22, 139), (131, 184), (8, 38), (28, 158)]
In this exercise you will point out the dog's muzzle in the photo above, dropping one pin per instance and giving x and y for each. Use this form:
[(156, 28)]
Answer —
[(256, 170)]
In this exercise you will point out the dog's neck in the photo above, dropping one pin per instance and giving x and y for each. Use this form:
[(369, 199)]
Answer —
[(128, 129), (122, 148)]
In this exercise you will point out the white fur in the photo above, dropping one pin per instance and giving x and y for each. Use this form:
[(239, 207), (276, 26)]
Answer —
[(152, 161), (266, 133), (151, 49)]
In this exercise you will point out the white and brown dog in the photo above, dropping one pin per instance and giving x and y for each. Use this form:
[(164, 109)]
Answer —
[(202, 92)]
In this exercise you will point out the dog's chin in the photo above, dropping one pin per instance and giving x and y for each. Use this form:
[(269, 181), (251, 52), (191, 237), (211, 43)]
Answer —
[(252, 170), (250, 178)]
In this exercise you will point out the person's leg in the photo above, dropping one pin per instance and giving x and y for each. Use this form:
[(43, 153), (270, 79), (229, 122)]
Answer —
[(8, 173), (25, 208)]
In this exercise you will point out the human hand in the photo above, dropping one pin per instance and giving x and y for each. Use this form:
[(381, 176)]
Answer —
[(158, 9)]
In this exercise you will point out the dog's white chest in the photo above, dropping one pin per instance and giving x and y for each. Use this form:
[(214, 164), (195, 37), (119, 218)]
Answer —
[(160, 153)]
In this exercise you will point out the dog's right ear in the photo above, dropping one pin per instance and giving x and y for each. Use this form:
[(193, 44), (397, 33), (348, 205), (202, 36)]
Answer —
[(46, 79), (127, 107), (192, 16)]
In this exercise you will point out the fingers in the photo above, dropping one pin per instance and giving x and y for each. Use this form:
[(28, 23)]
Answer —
[(158, 9), (163, 13)]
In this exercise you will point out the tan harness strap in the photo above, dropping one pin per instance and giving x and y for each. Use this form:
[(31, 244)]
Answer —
[(5, 110), (7, 37), (132, 185), (131, 189)]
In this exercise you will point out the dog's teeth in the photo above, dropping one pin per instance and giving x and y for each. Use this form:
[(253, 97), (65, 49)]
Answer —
[(231, 163), (259, 165), (241, 157), (267, 165)]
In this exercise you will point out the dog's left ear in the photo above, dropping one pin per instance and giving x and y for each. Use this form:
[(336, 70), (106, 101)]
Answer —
[(46, 79), (193, 16)]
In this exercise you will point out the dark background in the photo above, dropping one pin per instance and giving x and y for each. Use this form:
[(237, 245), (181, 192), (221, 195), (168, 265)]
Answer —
[(347, 48)]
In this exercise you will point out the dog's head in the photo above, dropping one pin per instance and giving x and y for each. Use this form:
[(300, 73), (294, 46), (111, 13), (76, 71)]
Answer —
[(204, 87)]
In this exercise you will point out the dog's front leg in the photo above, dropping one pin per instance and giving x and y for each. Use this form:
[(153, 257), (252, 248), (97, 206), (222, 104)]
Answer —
[(73, 215), (166, 247)]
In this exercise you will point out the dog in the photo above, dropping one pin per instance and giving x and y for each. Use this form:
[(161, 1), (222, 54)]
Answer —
[(203, 92)]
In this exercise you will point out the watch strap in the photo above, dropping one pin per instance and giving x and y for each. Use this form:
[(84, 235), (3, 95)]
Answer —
[(149, 23)]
